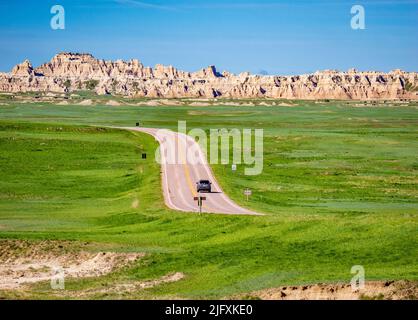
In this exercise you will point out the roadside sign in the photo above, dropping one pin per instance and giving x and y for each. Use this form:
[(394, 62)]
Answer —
[(247, 192), (199, 200), (234, 167)]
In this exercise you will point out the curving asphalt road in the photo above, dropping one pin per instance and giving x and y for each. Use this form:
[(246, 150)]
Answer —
[(183, 163)]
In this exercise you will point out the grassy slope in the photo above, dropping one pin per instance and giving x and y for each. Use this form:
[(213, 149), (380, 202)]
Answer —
[(340, 184)]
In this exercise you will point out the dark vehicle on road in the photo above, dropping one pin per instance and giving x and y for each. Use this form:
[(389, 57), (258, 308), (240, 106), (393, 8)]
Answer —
[(204, 186)]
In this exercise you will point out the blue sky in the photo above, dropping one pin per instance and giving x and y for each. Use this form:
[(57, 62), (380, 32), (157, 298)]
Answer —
[(281, 37)]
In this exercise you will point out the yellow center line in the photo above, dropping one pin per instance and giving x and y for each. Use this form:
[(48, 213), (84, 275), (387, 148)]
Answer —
[(187, 172)]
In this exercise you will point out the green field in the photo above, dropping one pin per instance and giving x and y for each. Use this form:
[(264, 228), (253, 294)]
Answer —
[(339, 188)]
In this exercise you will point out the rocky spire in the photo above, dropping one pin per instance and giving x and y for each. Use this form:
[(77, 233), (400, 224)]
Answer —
[(81, 71), (23, 69)]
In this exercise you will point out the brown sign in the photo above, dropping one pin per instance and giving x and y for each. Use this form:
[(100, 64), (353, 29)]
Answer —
[(197, 198), (199, 202)]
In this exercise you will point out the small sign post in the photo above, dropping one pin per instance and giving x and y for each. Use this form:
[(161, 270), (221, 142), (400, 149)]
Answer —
[(247, 192), (199, 200), (234, 167)]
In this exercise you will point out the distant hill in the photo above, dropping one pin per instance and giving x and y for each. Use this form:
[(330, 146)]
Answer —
[(80, 71)]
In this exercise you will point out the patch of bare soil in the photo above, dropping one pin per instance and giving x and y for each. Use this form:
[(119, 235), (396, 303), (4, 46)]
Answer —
[(86, 102), (200, 104), (171, 102), (237, 104), (152, 103), (285, 104), (387, 290), (25, 262), (122, 288), (113, 103), (197, 113), (160, 102)]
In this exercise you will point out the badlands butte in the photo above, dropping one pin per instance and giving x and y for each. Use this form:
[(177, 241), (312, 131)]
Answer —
[(68, 72)]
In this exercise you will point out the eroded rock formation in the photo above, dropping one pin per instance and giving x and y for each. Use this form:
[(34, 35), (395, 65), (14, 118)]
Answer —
[(74, 71)]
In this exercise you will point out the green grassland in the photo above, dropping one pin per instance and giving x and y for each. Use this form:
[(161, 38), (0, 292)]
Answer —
[(339, 188)]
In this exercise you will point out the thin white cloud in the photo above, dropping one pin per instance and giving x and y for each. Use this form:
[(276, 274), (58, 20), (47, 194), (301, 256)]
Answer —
[(146, 5)]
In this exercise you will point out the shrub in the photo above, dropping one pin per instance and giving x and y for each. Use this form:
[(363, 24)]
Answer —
[(67, 83), (91, 84)]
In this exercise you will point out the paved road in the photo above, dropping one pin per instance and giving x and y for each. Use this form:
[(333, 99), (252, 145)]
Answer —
[(183, 163)]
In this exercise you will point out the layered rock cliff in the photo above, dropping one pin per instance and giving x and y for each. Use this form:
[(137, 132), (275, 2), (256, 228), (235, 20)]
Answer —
[(73, 71)]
